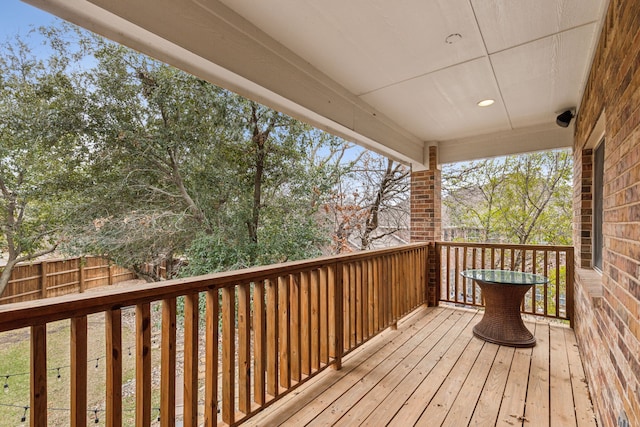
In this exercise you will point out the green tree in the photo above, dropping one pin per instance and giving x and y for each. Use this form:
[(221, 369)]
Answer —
[(41, 152), (181, 166), (518, 199)]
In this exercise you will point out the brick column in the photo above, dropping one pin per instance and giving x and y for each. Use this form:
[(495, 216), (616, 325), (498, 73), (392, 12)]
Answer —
[(426, 216)]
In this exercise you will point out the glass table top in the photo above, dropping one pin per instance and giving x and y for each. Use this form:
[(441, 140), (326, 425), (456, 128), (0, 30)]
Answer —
[(506, 277)]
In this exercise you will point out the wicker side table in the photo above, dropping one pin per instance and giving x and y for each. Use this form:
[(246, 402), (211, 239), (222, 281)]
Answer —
[(503, 292)]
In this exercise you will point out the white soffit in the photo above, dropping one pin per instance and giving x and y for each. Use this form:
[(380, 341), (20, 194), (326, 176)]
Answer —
[(543, 137), (369, 44), (379, 72), (508, 23), (443, 105), (541, 78)]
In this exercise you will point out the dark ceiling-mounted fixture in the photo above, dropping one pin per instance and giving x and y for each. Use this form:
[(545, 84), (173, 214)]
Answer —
[(564, 118)]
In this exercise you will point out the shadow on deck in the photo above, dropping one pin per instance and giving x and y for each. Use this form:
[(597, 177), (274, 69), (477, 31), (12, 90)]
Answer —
[(433, 372)]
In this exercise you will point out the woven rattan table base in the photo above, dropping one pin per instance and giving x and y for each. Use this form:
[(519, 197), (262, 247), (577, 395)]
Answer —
[(502, 323)]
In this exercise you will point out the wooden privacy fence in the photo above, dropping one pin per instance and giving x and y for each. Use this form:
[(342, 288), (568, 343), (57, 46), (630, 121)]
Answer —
[(267, 330), (554, 299), (51, 278)]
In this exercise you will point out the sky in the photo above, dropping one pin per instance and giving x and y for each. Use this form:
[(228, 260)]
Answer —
[(17, 17)]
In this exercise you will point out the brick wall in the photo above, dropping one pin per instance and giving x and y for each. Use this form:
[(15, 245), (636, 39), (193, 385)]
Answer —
[(608, 305), (426, 222)]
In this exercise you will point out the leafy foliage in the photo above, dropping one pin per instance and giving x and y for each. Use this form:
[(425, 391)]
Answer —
[(105, 151), (41, 117), (517, 199), (182, 167)]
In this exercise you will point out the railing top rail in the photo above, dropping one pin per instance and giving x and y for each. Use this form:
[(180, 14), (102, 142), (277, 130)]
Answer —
[(22, 314), (507, 246)]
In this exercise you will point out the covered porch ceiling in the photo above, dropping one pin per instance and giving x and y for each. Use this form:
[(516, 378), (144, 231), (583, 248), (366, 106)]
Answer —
[(393, 76)]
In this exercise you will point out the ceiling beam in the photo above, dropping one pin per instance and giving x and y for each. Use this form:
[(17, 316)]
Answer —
[(518, 141)]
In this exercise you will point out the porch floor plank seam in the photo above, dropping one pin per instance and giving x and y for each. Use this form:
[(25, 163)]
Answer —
[(432, 371)]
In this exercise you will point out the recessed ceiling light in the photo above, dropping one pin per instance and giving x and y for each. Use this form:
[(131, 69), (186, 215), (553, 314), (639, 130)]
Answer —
[(486, 102), (452, 38)]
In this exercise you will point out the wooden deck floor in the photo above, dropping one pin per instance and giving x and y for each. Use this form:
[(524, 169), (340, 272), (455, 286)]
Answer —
[(433, 372)]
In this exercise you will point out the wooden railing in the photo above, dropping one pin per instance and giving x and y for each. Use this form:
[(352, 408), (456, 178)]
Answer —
[(267, 330), (554, 299)]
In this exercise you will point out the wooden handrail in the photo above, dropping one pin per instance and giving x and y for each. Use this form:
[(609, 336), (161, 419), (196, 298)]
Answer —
[(268, 328)]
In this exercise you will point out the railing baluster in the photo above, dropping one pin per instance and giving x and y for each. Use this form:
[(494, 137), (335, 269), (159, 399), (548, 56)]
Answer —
[(113, 332), (465, 281), (359, 303), (473, 284), (228, 355), (38, 405), (371, 292), (259, 337), (168, 364), (324, 316), (457, 278), (448, 273), (294, 299), (394, 292), (191, 319), (336, 342), (353, 310), (557, 283), (405, 287), (143, 365), (305, 324), (211, 359), (244, 348), (534, 270), (546, 285), (365, 299), (272, 337), (375, 277), (315, 320), (284, 338), (79, 371)]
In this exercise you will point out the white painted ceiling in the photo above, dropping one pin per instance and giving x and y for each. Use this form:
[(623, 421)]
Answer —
[(531, 57), (394, 75)]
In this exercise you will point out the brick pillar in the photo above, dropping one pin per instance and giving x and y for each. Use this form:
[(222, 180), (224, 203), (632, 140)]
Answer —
[(425, 202), (426, 217)]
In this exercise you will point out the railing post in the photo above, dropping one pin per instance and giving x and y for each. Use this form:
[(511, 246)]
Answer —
[(336, 313), (570, 285), (433, 274), (44, 281), (109, 274), (81, 273)]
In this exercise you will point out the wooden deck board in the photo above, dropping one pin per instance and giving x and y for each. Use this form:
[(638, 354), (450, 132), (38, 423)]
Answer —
[(452, 326), (399, 396), (488, 407), (537, 405), (432, 371), (297, 403)]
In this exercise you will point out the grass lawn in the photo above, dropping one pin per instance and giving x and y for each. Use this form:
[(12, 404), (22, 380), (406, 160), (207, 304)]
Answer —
[(14, 362)]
